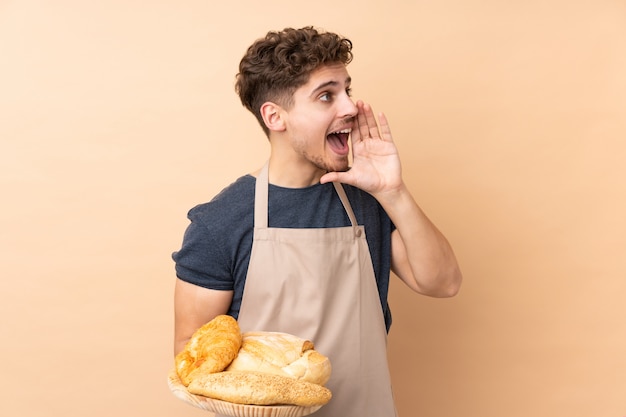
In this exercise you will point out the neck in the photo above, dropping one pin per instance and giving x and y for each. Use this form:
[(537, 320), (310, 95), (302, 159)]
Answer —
[(293, 172)]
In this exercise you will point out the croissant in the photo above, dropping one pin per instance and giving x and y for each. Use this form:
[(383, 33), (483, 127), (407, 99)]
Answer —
[(211, 349)]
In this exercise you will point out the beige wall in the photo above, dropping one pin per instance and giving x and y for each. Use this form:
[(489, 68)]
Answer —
[(117, 116)]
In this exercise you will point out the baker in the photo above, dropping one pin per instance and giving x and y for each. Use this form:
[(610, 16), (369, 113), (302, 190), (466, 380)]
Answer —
[(305, 244)]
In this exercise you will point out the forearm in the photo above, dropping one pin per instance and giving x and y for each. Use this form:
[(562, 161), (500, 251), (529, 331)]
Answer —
[(421, 255)]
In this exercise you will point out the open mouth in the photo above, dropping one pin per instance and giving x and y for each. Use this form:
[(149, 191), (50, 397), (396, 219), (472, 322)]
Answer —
[(338, 141)]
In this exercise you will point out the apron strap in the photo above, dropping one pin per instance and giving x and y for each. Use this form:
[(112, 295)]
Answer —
[(346, 203), (261, 200)]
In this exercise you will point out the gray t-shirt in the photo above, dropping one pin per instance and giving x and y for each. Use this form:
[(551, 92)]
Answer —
[(216, 247)]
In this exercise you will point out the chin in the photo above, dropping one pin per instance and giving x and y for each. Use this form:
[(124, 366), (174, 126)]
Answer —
[(331, 164), (336, 167), (339, 165)]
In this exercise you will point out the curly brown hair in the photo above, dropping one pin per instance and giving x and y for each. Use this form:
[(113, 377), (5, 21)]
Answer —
[(275, 66)]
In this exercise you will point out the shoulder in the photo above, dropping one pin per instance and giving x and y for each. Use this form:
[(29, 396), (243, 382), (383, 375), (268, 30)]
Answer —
[(362, 199), (232, 201), (367, 208)]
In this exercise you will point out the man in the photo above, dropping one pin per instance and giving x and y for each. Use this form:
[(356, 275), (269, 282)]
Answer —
[(289, 248)]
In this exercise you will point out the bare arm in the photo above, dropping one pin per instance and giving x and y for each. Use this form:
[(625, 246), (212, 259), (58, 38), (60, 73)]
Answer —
[(421, 256), (193, 307)]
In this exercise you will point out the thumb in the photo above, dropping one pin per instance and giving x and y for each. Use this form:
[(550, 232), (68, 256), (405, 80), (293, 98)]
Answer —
[(331, 177)]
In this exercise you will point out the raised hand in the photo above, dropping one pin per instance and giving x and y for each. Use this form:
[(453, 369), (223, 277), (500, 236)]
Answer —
[(421, 255), (376, 164)]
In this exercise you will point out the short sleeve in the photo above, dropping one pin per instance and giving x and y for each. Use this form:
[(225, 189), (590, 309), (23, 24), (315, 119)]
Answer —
[(201, 259)]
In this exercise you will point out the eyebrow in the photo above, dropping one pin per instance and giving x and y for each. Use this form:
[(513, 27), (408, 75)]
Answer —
[(331, 83)]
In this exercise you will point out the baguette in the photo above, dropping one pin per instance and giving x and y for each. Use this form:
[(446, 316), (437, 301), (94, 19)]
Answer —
[(257, 388)]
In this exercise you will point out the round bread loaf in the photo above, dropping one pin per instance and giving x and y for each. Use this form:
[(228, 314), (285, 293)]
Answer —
[(281, 354)]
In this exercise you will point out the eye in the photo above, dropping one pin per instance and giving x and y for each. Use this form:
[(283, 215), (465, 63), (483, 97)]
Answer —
[(325, 97), (349, 91)]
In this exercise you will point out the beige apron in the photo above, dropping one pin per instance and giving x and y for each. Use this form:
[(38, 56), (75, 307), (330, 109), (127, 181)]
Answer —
[(319, 284)]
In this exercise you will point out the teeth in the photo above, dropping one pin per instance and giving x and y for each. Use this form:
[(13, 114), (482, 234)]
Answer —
[(342, 131)]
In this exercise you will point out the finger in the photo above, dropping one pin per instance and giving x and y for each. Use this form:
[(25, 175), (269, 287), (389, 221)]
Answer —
[(355, 135), (385, 130), (361, 121), (334, 177), (372, 126)]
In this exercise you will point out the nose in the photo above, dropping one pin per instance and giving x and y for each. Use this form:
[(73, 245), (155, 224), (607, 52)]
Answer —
[(347, 107)]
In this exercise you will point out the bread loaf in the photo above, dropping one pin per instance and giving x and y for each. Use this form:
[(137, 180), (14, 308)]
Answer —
[(258, 388), (281, 354), (211, 349)]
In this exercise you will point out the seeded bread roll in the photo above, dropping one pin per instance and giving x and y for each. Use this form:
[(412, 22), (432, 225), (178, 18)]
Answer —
[(281, 354), (211, 349), (257, 388)]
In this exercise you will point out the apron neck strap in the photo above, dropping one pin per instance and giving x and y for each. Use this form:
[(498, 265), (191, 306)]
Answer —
[(346, 203), (261, 199)]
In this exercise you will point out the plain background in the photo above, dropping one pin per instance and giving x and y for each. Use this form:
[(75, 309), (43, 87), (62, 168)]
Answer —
[(116, 117)]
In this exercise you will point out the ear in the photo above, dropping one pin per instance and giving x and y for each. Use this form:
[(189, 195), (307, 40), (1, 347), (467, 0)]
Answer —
[(272, 116)]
